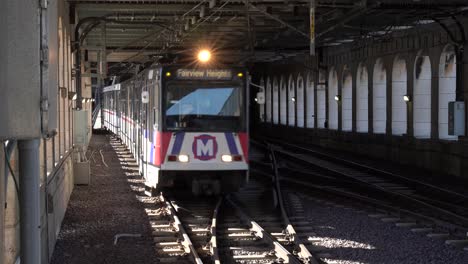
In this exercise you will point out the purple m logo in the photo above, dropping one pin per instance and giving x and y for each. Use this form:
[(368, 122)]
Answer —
[(204, 147)]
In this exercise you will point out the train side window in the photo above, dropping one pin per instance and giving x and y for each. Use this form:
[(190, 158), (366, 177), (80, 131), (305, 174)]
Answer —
[(150, 108), (156, 106), (155, 118)]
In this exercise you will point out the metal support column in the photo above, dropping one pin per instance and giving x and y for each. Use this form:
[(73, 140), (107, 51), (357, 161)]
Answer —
[(2, 202), (29, 173), (462, 81), (103, 71)]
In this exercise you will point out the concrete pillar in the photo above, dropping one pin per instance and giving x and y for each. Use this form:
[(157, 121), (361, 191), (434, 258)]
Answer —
[(388, 62), (370, 95), (286, 82), (316, 81), (327, 106), (434, 55), (296, 101), (354, 74), (2, 204), (410, 60), (30, 221), (464, 81), (340, 81), (306, 95)]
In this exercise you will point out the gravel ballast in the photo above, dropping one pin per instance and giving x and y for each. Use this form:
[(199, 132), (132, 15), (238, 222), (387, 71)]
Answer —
[(352, 237), (107, 207)]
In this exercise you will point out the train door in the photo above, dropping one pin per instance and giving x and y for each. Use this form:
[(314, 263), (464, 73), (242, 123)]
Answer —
[(122, 98), (128, 116), (144, 130), (116, 112), (136, 117), (132, 117)]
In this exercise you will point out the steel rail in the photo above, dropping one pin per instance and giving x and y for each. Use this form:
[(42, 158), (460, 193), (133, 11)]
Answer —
[(372, 169), (393, 194), (213, 241), (301, 249), (336, 191), (189, 248), (360, 198), (396, 194), (280, 251)]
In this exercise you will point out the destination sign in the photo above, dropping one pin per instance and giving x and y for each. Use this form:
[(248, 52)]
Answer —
[(204, 74), (115, 87)]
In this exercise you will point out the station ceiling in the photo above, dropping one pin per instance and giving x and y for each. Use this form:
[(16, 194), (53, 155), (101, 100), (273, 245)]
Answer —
[(140, 31)]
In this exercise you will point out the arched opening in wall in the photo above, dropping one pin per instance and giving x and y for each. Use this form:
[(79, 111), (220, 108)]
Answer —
[(347, 99), (380, 97), (332, 103), (422, 97), (275, 101), (268, 100), (362, 101), (321, 100), (291, 102), (283, 101), (399, 90), (261, 111), (447, 89), (300, 101), (310, 101)]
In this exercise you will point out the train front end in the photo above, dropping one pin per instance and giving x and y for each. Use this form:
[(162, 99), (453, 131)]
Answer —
[(203, 143)]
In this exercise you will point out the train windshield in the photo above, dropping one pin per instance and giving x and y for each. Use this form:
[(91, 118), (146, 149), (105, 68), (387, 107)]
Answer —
[(203, 108)]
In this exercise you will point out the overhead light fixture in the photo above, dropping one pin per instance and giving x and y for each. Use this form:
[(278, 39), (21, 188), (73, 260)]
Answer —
[(202, 11), (407, 98), (204, 55), (212, 4), (337, 98), (293, 99)]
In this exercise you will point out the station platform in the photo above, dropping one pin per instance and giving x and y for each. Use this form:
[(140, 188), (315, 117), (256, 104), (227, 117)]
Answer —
[(105, 208)]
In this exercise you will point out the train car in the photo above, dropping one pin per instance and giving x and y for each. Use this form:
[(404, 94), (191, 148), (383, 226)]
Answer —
[(186, 126)]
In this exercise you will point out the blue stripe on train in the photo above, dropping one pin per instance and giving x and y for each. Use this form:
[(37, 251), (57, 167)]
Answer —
[(231, 143), (178, 143), (152, 148)]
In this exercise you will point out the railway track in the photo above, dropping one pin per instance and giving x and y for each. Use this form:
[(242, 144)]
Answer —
[(325, 173), (245, 227), (222, 230), (261, 233)]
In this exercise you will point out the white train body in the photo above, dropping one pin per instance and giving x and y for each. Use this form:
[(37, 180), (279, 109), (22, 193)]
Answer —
[(186, 126)]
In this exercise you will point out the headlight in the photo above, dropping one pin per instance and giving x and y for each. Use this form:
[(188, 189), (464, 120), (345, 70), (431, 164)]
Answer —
[(204, 55), (226, 158), (183, 158)]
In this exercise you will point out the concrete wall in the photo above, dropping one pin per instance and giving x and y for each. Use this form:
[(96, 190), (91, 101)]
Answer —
[(376, 68), (11, 220), (56, 163), (55, 194)]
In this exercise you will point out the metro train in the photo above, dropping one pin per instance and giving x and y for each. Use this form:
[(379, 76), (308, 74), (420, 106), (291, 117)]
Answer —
[(186, 126)]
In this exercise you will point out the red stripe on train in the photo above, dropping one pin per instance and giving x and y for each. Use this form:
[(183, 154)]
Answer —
[(160, 148), (244, 141)]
